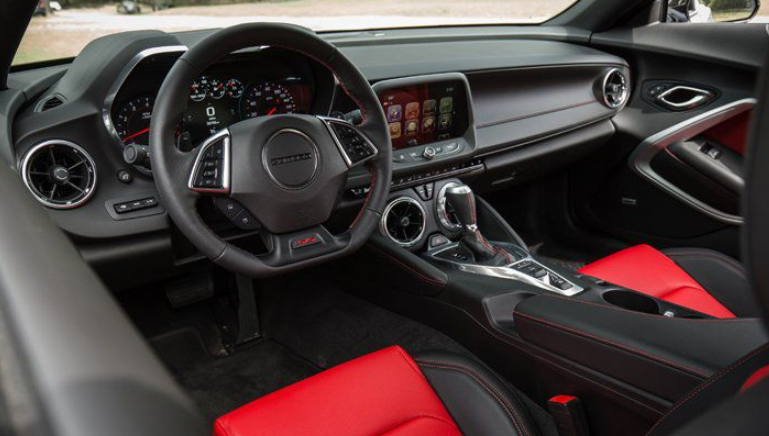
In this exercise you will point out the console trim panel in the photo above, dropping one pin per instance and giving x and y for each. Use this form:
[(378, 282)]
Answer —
[(510, 273)]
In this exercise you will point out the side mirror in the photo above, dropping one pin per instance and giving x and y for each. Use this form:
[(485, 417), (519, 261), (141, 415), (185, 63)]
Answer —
[(708, 11)]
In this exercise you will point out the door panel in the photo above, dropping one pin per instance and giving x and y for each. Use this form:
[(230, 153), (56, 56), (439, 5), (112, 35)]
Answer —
[(673, 175)]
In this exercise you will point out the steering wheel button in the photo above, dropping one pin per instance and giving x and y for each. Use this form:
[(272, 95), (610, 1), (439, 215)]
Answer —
[(228, 207), (218, 150), (245, 221)]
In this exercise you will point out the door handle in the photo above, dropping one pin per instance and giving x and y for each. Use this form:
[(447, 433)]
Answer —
[(681, 97)]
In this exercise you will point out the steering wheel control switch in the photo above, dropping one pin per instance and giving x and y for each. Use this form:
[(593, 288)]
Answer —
[(211, 172), (353, 144)]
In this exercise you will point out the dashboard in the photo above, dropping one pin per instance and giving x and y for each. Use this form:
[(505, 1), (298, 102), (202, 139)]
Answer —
[(486, 111)]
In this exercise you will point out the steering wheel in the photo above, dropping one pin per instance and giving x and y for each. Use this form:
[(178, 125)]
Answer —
[(287, 171)]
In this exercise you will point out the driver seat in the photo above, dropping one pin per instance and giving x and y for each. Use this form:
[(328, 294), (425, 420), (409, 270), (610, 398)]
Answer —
[(441, 394), (389, 393)]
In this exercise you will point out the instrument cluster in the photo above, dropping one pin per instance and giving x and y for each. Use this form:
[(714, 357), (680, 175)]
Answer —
[(214, 104), (236, 89)]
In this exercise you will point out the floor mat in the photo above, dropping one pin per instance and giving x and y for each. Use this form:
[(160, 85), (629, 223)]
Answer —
[(327, 326), (220, 385), (307, 324)]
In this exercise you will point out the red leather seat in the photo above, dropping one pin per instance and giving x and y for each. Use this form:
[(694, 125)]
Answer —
[(388, 393), (440, 394), (702, 280), (381, 393)]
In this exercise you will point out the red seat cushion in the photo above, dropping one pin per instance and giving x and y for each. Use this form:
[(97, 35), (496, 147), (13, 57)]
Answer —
[(383, 393), (644, 269)]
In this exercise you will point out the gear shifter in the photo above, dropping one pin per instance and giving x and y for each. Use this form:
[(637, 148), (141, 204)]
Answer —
[(462, 200)]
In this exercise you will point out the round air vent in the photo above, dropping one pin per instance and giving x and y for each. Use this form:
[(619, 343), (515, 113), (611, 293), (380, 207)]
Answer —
[(404, 221), (59, 173), (614, 88), (445, 212)]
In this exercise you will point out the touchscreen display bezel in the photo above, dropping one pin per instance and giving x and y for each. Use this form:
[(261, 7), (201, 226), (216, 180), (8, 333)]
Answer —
[(420, 101)]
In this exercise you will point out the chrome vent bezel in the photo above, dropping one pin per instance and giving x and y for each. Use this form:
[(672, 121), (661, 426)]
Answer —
[(609, 98), (383, 227), (88, 173)]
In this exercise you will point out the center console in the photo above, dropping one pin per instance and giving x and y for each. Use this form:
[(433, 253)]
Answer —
[(445, 257)]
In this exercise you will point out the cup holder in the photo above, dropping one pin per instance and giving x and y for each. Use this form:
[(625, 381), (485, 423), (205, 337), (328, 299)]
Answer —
[(631, 301)]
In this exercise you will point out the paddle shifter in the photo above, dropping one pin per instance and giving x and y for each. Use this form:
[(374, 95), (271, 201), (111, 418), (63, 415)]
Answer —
[(462, 200)]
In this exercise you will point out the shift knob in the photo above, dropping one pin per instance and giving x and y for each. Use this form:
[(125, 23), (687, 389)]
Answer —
[(484, 253), (462, 200)]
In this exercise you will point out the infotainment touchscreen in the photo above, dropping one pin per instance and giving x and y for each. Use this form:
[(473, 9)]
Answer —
[(425, 113)]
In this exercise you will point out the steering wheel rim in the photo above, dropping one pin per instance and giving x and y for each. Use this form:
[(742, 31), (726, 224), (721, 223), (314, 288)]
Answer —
[(173, 168)]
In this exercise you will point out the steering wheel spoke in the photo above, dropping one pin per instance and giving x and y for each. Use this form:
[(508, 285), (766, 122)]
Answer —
[(211, 172), (291, 248), (354, 146)]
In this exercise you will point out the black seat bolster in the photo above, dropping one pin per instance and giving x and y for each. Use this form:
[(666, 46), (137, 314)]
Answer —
[(723, 277), (481, 402)]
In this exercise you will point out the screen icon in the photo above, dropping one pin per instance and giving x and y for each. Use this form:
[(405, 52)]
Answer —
[(447, 105), (412, 127), (395, 130), (412, 110), (444, 121), (394, 113), (428, 107), (428, 124)]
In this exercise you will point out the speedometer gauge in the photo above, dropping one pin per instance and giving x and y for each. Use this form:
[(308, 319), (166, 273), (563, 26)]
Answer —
[(267, 99), (132, 121)]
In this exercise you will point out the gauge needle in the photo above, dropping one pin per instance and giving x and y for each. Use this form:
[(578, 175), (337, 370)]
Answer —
[(272, 111), (139, 133)]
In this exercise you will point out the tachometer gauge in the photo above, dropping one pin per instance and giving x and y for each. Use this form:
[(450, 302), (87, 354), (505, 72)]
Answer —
[(199, 89), (216, 89), (267, 99), (132, 121), (234, 88)]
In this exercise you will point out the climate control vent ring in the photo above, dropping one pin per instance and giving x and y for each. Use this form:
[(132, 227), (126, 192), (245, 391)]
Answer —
[(404, 221), (59, 173), (615, 88)]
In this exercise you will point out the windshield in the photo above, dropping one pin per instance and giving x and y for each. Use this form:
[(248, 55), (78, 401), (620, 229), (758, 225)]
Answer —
[(60, 29)]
